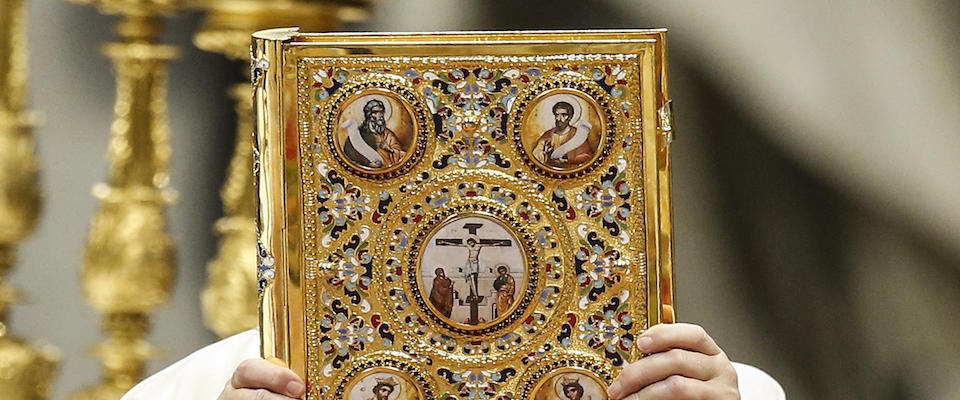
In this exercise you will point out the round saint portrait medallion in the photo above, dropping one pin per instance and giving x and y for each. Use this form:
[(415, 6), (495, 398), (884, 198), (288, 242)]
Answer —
[(570, 384), (375, 131), (383, 384), (561, 131), (473, 272)]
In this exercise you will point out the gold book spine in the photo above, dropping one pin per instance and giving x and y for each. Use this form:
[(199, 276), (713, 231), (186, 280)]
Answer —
[(266, 62)]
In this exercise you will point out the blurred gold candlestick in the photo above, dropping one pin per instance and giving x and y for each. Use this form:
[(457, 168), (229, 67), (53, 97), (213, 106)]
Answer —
[(230, 297), (26, 371), (128, 269)]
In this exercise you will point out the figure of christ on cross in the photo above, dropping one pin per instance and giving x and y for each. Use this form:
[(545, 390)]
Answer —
[(471, 270)]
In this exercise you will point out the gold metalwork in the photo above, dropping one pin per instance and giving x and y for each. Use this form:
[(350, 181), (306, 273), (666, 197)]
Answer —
[(128, 269), (340, 258), (26, 370), (665, 114), (230, 297), (228, 23)]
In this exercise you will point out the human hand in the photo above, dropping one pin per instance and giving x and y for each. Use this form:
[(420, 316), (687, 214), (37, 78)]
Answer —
[(259, 379), (547, 150), (683, 362)]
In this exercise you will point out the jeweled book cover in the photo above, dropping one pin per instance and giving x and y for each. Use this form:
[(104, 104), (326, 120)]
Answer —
[(463, 215)]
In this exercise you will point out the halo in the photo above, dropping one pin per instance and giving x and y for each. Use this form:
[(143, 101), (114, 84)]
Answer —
[(387, 107), (558, 387), (398, 389), (571, 99)]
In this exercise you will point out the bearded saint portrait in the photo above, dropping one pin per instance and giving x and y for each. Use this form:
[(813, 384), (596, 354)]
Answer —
[(383, 389), (565, 145), (372, 144), (506, 287)]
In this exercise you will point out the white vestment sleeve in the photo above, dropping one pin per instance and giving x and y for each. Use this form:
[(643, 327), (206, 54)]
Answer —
[(756, 384), (201, 375)]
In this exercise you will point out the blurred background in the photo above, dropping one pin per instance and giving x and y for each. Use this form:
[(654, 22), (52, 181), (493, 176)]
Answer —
[(817, 178)]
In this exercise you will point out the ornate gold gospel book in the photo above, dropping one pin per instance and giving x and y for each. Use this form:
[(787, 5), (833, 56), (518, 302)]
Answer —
[(475, 215)]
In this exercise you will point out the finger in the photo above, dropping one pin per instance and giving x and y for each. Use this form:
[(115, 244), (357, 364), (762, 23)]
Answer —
[(261, 374), (660, 366), (253, 394), (664, 337), (675, 387)]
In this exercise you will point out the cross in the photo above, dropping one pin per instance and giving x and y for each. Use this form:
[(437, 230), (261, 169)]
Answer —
[(473, 245)]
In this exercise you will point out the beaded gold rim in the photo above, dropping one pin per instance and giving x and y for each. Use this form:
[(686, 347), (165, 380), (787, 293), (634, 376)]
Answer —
[(584, 365), (589, 92), (387, 364)]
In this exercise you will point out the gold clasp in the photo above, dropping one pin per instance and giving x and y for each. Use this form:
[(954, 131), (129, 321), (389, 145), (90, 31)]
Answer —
[(666, 121)]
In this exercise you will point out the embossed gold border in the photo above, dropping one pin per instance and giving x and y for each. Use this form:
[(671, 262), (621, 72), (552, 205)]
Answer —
[(539, 373)]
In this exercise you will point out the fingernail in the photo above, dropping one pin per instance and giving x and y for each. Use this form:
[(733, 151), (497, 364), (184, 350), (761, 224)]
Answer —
[(295, 388), (644, 343), (614, 390)]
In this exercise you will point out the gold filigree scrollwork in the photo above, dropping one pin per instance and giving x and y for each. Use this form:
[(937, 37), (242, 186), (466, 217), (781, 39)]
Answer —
[(230, 296), (26, 370), (508, 260), (129, 268), (565, 294)]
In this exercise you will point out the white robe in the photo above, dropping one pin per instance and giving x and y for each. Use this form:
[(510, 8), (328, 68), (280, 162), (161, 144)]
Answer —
[(203, 374)]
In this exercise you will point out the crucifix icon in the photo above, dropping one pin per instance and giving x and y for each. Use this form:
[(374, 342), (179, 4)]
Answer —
[(471, 269)]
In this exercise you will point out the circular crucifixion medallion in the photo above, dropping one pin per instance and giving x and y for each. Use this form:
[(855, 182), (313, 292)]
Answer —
[(472, 271)]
